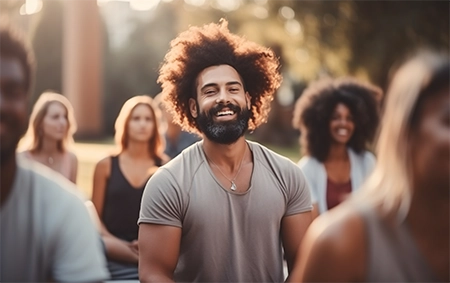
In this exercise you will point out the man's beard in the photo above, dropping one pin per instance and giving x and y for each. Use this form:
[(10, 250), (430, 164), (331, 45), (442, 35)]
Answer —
[(226, 132)]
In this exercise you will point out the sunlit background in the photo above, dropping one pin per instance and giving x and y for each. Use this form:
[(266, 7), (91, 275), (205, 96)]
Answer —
[(313, 38), (101, 52)]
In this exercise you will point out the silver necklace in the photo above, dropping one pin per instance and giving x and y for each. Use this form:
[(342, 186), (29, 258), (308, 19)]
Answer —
[(233, 185)]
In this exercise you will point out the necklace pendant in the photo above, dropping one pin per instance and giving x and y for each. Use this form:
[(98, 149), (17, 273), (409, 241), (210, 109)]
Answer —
[(233, 186)]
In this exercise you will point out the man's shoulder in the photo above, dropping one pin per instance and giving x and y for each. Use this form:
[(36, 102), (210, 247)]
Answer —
[(189, 157)]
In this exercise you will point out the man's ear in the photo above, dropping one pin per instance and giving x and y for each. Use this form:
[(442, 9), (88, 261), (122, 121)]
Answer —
[(248, 100), (193, 107)]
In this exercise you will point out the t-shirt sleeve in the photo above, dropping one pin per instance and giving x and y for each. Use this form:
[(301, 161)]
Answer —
[(162, 201), (299, 197), (77, 245)]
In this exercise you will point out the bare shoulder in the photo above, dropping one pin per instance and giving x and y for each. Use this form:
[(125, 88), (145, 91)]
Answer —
[(25, 154), (336, 242), (103, 167), (72, 156), (164, 159)]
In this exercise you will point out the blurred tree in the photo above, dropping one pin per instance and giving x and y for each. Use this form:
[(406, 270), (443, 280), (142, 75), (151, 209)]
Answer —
[(364, 38), (313, 39), (47, 44), (132, 69)]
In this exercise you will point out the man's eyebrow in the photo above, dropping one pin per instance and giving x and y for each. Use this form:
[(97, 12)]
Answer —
[(208, 85), (228, 84), (234, 83)]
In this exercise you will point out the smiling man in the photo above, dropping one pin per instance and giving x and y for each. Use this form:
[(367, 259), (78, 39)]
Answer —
[(224, 209)]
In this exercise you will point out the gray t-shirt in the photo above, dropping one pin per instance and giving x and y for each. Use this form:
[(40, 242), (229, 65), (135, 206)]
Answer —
[(46, 231), (226, 236)]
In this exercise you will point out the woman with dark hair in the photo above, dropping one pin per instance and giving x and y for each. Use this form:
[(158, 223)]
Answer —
[(50, 133), (337, 120), (119, 182), (396, 228)]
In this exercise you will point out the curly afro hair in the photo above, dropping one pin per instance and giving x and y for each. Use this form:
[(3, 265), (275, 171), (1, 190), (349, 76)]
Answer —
[(201, 47), (314, 108)]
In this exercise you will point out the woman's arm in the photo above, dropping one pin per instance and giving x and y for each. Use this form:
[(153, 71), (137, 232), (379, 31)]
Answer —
[(116, 249), (101, 176), (73, 167)]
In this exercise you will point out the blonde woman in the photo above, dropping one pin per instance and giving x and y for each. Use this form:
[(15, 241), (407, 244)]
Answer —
[(119, 182), (50, 133), (396, 229)]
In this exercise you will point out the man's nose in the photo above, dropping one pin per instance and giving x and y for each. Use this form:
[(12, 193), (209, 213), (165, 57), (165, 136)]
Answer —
[(222, 97)]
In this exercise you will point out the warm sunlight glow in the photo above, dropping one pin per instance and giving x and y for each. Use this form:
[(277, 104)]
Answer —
[(143, 5), (260, 2), (287, 12), (260, 12), (31, 7), (293, 27), (197, 3), (302, 55), (226, 5)]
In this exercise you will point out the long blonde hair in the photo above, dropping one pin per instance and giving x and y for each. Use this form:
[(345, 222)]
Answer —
[(32, 140), (156, 144), (389, 187)]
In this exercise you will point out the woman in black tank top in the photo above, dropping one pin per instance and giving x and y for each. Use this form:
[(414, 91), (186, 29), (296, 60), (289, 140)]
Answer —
[(119, 182)]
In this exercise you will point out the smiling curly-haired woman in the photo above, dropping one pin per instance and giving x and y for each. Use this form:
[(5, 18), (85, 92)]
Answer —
[(337, 119)]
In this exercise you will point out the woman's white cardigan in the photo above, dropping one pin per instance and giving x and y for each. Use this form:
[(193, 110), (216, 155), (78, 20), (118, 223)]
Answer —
[(361, 165)]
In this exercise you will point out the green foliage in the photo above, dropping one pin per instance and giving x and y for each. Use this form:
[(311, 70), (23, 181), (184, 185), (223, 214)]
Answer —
[(132, 69)]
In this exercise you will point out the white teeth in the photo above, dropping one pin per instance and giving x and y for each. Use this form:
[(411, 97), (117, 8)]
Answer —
[(223, 113), (342, 132)]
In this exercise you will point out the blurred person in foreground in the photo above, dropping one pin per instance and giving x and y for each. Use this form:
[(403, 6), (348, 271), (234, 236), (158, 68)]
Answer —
[(46, 232), (337, 119), (50, 133), (119, 182), (224, 209), (176, 138), (396, 228)]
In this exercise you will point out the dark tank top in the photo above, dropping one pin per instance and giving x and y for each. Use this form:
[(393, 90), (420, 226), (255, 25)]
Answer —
[(122, 204)]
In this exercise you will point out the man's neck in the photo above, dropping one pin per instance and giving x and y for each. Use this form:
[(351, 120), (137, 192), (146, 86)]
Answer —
[(225, 153), (8, 173)]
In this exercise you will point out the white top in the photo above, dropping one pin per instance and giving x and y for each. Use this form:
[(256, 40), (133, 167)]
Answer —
[(361, 165), (46, 231)]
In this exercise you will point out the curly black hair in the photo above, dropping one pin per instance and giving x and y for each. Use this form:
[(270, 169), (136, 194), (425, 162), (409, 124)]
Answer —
[(14, 45), (212, 45), (314, 108)]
